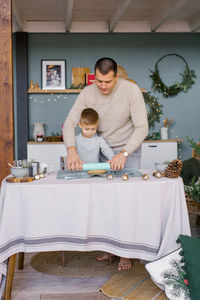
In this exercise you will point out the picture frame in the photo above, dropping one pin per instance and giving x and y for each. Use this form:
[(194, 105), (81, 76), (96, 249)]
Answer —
[(53, 74)]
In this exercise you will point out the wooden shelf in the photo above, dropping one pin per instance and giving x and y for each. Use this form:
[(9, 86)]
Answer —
[(164, 141), (146, 141), (67, 91), (43, 143)]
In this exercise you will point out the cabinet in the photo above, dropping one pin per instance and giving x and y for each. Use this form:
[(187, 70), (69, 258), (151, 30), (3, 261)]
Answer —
[(161, 150), (152, 151), (47, 152)]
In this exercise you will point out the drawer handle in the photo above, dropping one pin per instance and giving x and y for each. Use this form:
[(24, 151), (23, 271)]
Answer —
[(153, 146)]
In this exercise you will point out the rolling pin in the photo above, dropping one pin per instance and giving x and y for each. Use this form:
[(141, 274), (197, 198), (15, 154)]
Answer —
[(96, 166)]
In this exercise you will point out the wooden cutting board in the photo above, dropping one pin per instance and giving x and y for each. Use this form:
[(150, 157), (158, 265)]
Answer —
[(19, 180), (79, 75)]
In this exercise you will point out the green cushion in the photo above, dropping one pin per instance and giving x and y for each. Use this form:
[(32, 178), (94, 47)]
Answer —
[(191, 253), (190, 169)]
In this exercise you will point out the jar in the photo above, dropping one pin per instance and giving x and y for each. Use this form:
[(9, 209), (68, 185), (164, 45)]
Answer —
[(40, 138)]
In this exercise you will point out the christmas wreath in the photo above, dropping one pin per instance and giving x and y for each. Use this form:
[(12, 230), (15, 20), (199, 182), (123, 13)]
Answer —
[(173, 90)]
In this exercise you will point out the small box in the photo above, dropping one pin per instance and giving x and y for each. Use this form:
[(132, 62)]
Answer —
[(90, 78)]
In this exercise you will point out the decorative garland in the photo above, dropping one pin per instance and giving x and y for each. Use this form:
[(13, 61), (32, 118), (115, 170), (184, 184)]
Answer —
[(173, 90), (154, 109)]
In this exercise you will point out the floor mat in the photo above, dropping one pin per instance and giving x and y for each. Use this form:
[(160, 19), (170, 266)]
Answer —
[(77, 264), (133, 284)]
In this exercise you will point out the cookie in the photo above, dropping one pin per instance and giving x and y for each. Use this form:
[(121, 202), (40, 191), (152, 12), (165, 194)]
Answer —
[(97, 172)]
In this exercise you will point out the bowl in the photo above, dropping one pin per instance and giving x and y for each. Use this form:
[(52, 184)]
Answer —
[(161, 166), (19, 172)]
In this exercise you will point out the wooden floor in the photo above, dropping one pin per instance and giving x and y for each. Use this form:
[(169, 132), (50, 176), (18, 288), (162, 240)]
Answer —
[(31, 285)]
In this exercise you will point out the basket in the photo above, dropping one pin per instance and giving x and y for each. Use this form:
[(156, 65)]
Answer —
[(193, 206)]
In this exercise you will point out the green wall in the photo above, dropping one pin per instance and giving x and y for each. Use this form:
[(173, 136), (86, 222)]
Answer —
[(137, 53)]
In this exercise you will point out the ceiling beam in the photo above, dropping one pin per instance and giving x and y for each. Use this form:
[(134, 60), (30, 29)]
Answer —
[(122, 7), (68, 22), (195, 24), (167, 11), (17, 17)]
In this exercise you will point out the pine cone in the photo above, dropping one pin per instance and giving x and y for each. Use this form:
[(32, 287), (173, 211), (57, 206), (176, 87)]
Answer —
[(173, 170)]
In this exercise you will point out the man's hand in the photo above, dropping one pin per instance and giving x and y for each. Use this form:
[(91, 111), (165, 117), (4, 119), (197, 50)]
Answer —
[(118, 161), (73, 160)]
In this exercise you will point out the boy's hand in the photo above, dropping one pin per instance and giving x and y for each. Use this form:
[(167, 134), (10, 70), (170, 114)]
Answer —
[(73, 160)]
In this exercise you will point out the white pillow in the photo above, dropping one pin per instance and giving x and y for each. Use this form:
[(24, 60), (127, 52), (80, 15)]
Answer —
[(165, 265)]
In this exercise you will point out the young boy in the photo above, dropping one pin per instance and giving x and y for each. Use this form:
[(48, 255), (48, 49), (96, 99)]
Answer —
[(88, 144)]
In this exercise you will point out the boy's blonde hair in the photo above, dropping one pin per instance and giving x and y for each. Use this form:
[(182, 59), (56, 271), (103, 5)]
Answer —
[(89, 116)]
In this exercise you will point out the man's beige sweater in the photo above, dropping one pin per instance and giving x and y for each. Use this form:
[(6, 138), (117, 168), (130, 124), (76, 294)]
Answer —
[(122, 115)]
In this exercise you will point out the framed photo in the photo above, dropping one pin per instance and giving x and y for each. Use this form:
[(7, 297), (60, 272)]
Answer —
[(53, 74)]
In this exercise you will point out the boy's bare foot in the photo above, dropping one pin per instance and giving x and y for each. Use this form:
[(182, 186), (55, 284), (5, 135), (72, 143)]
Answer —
[(124, 264), (107, 256)]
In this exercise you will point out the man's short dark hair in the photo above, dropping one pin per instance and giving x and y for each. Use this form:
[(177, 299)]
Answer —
[(105, 65)]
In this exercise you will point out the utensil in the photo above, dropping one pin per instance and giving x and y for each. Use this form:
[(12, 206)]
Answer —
[(96, 166), (165, 122), (170, 122), (11, 165)]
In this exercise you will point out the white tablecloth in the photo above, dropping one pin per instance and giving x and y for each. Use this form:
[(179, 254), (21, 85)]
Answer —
[(134, 218)]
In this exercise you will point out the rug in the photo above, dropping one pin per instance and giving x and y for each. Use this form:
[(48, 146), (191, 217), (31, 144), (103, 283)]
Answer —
[(88, 296), (78, 264), (133, 284)]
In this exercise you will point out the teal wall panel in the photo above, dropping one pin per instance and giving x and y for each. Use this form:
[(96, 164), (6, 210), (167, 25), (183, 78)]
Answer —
[(137, 53)]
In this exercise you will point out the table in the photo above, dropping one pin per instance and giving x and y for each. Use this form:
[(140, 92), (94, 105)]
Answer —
[(134, 218)]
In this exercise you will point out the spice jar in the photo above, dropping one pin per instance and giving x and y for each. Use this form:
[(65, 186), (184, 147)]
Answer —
[(40, 138)]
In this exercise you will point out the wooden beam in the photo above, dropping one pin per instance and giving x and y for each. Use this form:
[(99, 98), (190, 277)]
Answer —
[(6, 88), (195, 24), (122, 7), (68, 24), (22, 87), (17, 17), (167, 11)]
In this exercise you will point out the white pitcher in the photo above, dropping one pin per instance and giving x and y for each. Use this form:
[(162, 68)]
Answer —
[(38, 130)]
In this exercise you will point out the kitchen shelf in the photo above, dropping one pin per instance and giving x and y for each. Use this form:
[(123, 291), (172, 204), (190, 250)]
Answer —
[(146, 141), (66, 91), (164, 141)]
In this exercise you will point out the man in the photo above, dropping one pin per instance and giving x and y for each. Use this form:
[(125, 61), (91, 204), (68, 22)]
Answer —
[(122, 121)]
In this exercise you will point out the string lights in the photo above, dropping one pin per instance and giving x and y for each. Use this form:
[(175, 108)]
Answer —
[(53, 98)]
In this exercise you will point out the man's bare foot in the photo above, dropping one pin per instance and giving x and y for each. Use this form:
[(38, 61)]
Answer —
[(106, 256), (124, 264)]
